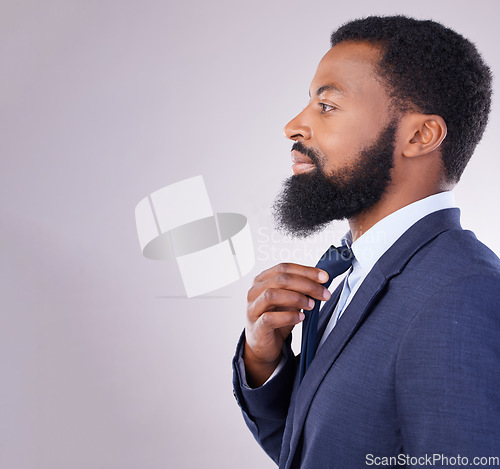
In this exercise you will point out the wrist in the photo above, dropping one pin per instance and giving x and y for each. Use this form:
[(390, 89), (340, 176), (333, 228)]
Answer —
[(258, 370)]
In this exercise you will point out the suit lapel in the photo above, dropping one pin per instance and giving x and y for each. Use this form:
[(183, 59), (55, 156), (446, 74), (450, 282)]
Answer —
[(390, 264)]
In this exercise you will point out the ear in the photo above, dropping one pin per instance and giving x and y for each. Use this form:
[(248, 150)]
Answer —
[(423, 133)]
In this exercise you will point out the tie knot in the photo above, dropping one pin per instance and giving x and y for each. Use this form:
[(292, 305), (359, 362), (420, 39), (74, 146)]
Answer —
[(335, 261), (345, 252)]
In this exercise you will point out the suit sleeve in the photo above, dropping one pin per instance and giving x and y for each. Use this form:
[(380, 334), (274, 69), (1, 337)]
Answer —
[(265, 408), (448, 373)]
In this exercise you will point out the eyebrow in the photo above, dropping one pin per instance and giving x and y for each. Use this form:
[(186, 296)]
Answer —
[(329, 87)]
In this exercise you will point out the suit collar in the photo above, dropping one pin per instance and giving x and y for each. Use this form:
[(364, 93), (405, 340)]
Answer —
[(390, 264), (372, 244), (420, 234)]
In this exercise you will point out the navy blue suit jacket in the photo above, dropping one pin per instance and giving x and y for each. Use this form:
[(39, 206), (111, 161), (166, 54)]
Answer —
[(412, 366)]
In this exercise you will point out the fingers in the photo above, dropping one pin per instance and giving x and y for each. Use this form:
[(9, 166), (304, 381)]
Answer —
[(274, 306), (279, 319), (272, 299), (266, 335), (311, 273), (293, 277)]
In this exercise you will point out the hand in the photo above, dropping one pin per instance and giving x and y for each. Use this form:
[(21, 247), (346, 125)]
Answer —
[(274, 307)]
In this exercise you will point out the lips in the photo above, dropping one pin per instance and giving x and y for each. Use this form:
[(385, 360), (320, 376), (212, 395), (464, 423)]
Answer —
[(301, 163)]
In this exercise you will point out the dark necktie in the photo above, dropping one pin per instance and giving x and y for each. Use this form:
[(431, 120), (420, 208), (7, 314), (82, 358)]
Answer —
[(335, 261)]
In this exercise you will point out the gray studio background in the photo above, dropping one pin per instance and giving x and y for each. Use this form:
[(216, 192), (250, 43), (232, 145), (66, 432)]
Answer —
[(103, 364)]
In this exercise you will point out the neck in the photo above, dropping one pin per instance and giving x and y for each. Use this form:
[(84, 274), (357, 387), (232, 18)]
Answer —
[(389, 203)]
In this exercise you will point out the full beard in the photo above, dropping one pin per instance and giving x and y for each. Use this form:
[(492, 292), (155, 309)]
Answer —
[(310, 201)]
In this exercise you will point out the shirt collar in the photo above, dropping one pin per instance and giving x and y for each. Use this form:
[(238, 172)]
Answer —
[(370, 246)]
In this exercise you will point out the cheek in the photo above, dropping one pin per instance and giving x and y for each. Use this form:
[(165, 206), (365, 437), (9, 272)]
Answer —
[(341, 142)]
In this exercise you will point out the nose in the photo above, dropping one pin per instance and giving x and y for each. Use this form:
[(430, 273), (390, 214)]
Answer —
[(297, 129)]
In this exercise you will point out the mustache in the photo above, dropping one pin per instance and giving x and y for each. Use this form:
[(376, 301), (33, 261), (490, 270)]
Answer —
[(311, 153)]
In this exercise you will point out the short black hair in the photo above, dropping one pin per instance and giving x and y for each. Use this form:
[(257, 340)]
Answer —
[(431, 69)]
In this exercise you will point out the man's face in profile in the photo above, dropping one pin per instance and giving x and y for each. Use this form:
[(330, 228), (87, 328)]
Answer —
[(344, 143)]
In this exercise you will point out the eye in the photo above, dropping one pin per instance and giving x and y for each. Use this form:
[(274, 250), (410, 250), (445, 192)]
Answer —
[(326, 108)]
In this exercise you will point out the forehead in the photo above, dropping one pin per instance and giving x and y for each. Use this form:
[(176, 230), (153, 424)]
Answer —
[(350, 67)]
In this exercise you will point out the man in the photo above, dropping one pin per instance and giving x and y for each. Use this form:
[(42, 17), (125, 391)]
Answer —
[(407, 368)]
